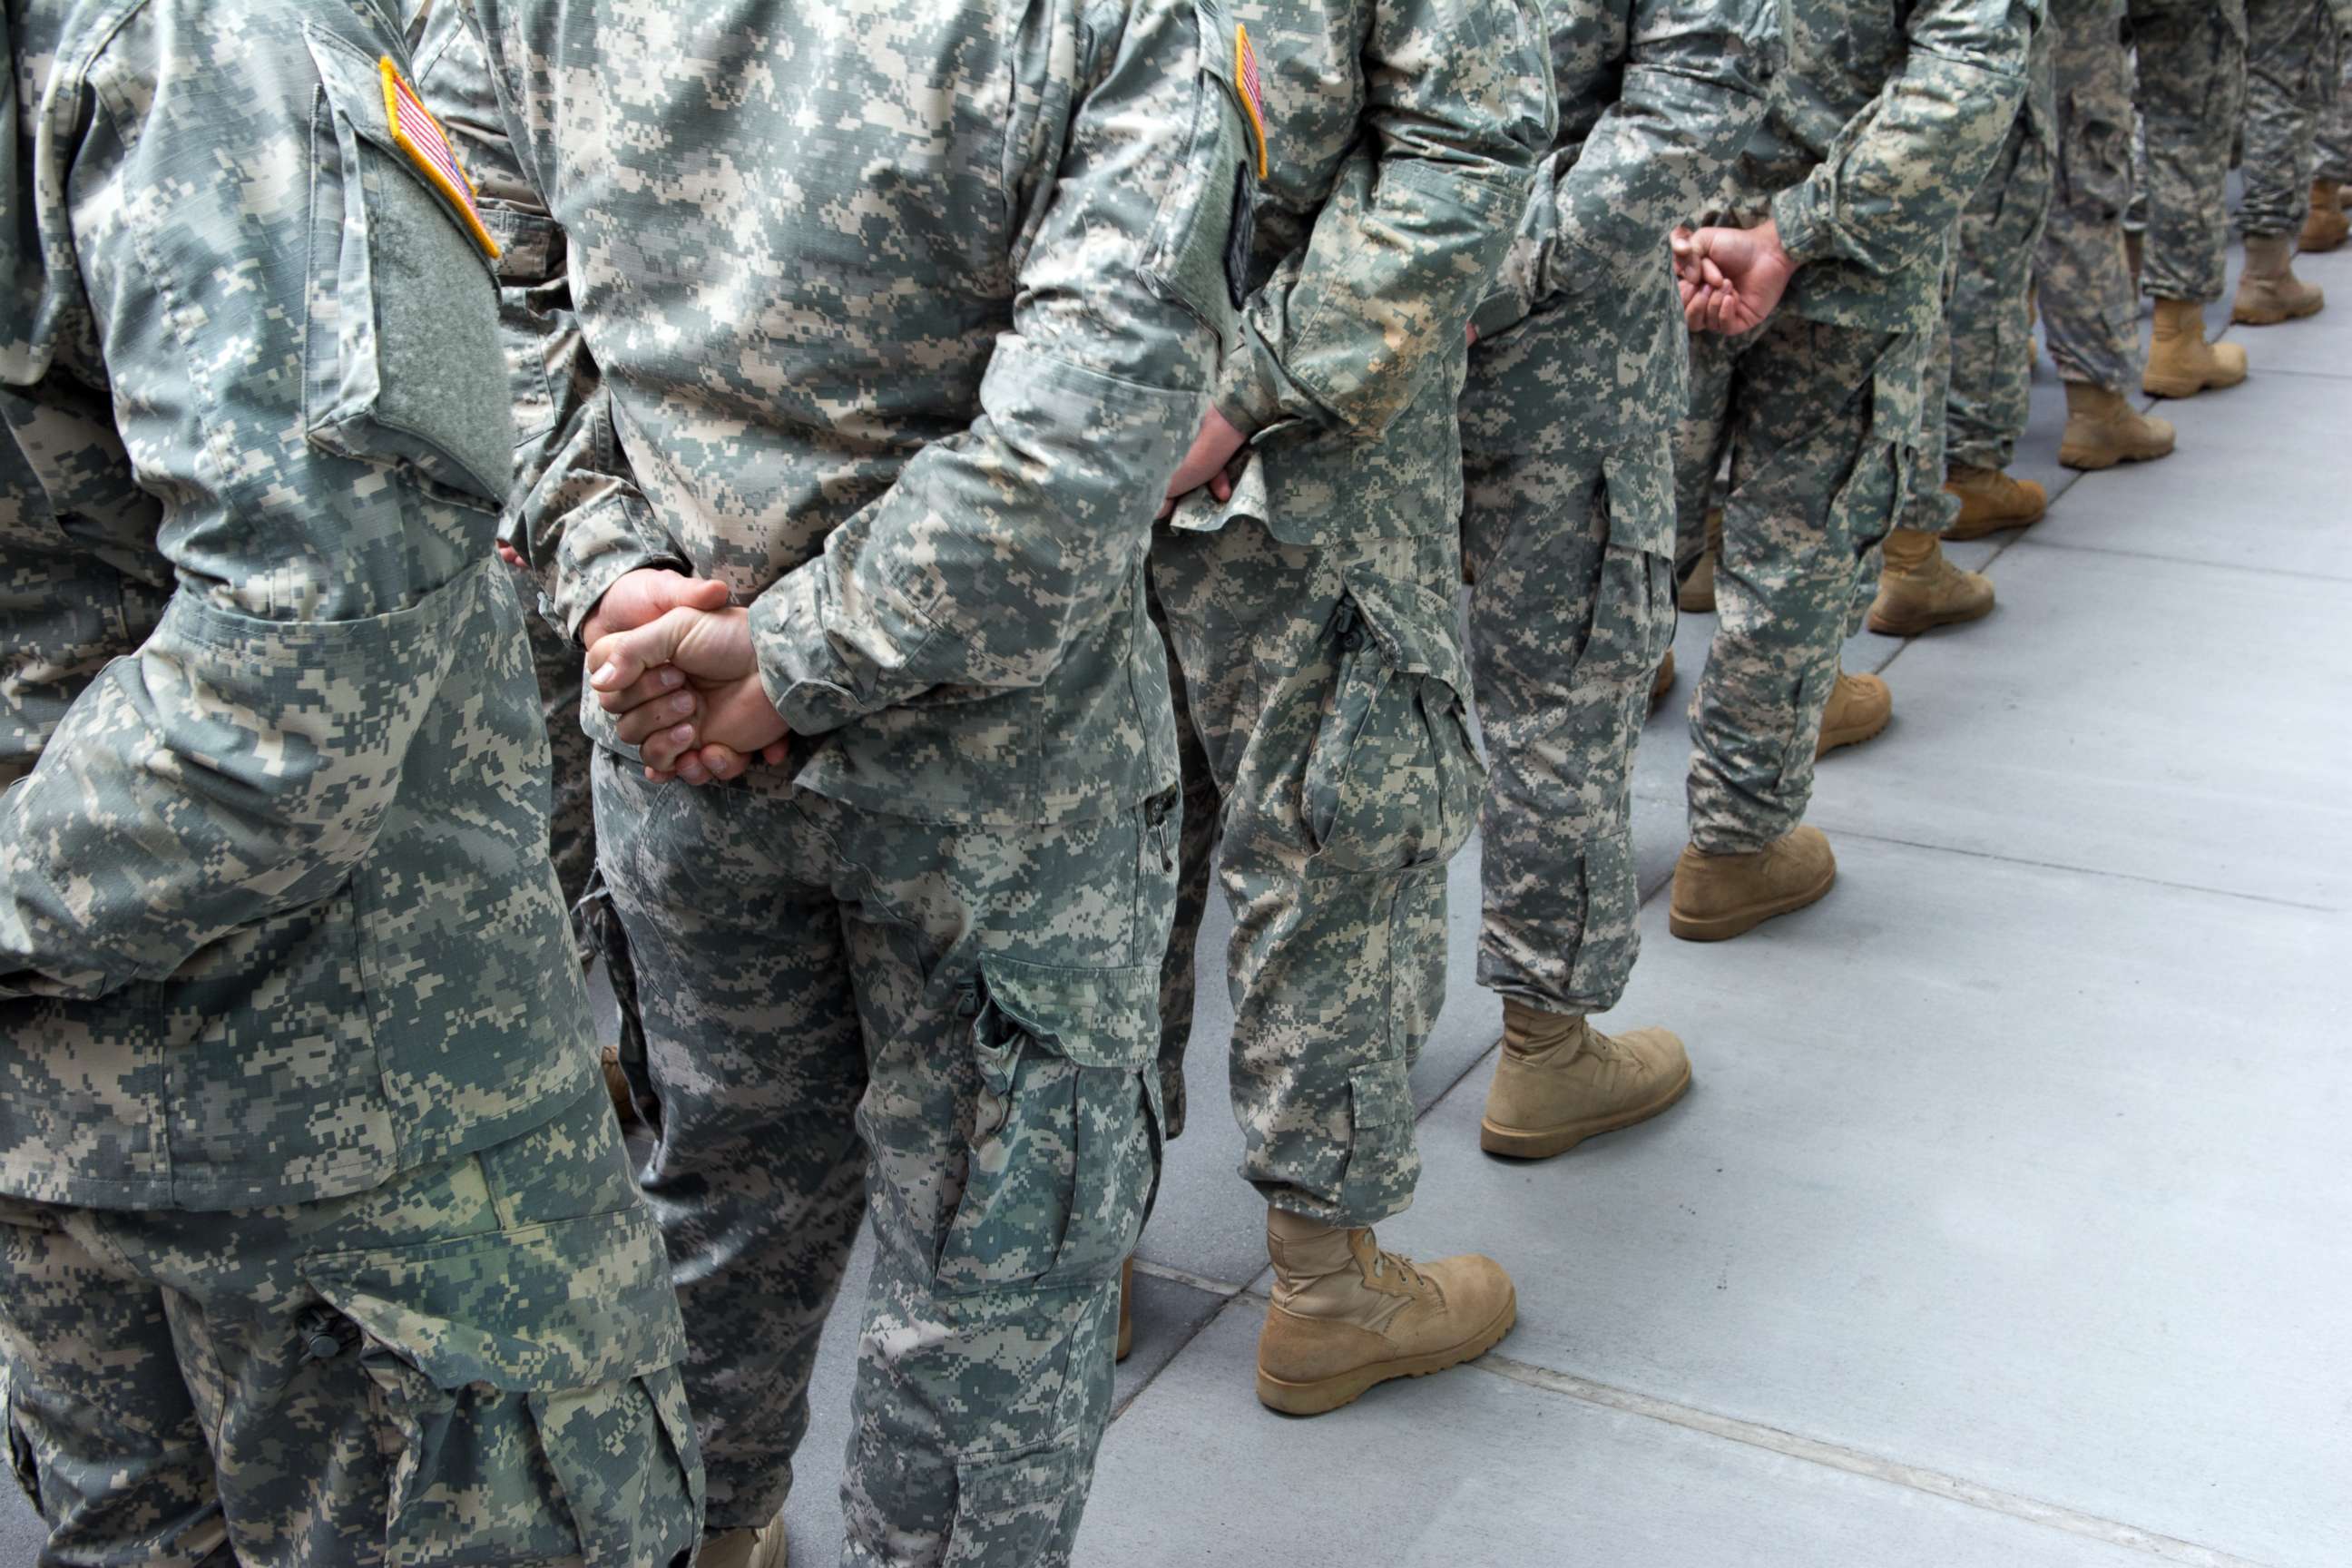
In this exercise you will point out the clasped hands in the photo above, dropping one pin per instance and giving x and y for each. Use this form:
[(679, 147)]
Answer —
[(1730, 280), (673, 662)]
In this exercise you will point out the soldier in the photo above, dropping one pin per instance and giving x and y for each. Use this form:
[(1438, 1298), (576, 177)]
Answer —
[(1568, 531), (1979, 381), (1847, 197), (903, 317), (2090, 309), (1310, 601), (2191, 62), (2290, 77), (320, 1246), (551, 382), (2328, 227)]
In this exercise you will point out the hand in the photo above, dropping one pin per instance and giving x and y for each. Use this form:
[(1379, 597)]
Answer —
[(645, 595), (1213, 448), (710, 732), (1735, 277), (510, 555)]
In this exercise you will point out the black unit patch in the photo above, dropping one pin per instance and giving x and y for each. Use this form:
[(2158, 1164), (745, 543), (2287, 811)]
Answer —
[(1241, 233)]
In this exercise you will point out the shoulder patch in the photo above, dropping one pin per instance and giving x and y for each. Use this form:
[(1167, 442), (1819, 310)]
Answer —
[(1252, 95), (419, 135)]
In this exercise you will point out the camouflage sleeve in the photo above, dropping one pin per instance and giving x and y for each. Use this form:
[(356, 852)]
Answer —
[(298, 330), (1698, 77), (575, 515), (998, 548), (1458, 109), (1899, 172)]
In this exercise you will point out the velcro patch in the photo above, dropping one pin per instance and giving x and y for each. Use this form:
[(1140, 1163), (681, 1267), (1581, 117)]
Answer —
[(418, 134), (1253, 94)]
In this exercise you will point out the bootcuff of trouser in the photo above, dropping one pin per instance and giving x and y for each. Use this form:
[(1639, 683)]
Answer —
[(1303, 1250), (1539, 1038), (2269, 256)]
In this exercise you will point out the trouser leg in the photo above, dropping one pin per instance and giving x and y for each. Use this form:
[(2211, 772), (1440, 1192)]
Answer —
[(1326, 685), (2090, 312), (756, 1057), (101, 1432), (2335, 138), (1987, 400), (1202, 822), (1821, 423), (1928, 507), (2290, 76), (1699, 441), (1007, 981), (2191, 86), (1571, 610)]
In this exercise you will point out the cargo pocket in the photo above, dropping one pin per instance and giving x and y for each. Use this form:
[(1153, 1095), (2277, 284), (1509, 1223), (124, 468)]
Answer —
[(401, 360), (522, 1435), (1009, 1507), (1392, 780), (1199, 249), (1870, 500), (1382, 1160), (22, 1461), (1065, 1155)]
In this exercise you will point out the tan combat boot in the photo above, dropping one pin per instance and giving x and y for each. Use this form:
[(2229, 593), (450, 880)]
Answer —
[(2268, 290), (1917, 588), (1718, 897), (2102, 429), (1560, 1081), (2180, 363), (617, 1087), (1663, 681), (1697, 596), (2326, 227), (1126, 1309), (1990, 501), (1859, 708), (1347, 1315), (762, 1548)]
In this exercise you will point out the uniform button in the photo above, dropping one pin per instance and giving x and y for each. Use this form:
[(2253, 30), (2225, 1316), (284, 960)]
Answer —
[(324, 1346)]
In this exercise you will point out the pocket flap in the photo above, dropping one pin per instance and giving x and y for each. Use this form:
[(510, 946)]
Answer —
[(567, 1305), (1095, 1017), (1414, 626)]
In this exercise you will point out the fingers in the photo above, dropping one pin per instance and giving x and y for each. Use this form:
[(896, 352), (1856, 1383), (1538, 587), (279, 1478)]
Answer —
[(668, 749), (640, 724), (508, 553), (651, 688), (774, 753), (618, 661), (1220, 486)]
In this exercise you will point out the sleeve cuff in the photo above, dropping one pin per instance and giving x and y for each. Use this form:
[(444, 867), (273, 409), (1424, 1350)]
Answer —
[(1796, 213), (598, 548), (1248, 390), (808, 686)]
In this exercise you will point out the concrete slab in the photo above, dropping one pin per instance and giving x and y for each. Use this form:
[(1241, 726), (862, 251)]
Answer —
[(2316, 345), (2038, 1182), (1473, 1470), (2127, 715)]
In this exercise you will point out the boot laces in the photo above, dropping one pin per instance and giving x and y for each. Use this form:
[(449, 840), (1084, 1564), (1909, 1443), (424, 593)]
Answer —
[(1381, 1261)]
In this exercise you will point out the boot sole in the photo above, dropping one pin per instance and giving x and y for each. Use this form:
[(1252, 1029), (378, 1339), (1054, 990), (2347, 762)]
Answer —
[(2185, 386), (1887, 626), (1962, 532), (1544, 1143), (1326, 1394), (1737, 923), (1832, 739), (1695, 604), (2271, 316), (2088, 463)]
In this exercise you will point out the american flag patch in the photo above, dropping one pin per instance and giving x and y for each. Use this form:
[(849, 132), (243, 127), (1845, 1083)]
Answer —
[(1252, 95), (418, 134)]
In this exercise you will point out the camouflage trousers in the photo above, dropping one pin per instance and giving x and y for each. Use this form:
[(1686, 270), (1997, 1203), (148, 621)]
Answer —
[(1329, 774), (2292, 74), (2090, 312), (2335, 158), (477, 1362), (1569, 539), (2191, 86), (953, 1025), (1821, 423), (596, 931)]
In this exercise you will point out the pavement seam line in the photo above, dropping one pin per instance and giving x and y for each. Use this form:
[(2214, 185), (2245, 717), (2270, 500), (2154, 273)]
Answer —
[(1199, 1282), (2264, 898), (1854, 1461), (2300, 573)]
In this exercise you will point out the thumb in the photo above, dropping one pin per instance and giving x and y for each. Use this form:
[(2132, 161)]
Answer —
[(620, 659), (680, 592)]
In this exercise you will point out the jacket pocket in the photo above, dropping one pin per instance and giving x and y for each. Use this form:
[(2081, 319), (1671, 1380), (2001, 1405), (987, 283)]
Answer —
[(1199, 249), (571, 1416), (1392, 780), (1065, 1155), (1009, 1507), (401, 359)]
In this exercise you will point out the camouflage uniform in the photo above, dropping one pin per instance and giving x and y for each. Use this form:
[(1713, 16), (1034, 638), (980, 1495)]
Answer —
[(2090, 312), (2191, 65), (2292, 74), (317, 1236), (1979, 376), (549, 380), (1888, 119), (1314, 618), (1567, 435), (902, 317), (2335, 158)]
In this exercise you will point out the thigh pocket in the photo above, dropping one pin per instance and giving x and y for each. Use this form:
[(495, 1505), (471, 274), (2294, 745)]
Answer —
[(1381, 1162), (527, 1385), (1392, 780), (1065, 1151), (1872, 498)]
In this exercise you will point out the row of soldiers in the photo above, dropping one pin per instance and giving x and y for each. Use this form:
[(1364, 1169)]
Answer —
[(976, 477)]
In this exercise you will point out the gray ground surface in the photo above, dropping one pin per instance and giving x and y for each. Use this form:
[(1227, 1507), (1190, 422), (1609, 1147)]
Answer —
[(2011, 1220)]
